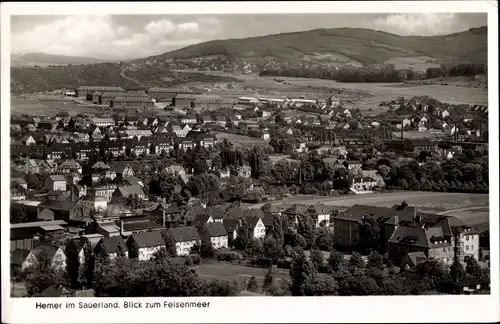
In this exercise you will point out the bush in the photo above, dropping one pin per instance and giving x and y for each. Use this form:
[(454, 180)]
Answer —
[(284, 263), (228, 256)]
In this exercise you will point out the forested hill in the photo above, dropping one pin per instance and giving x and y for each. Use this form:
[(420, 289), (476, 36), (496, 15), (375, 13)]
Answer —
[(365, 46)]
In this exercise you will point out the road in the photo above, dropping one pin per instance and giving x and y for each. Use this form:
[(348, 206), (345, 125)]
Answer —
[(461, 209), (122, 73)]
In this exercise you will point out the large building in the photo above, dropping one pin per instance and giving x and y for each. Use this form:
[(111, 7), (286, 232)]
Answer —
[(88, 91)]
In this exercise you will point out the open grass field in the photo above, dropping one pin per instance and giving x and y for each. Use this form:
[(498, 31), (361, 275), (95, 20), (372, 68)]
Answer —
[(417, 135), (240, 273), (240, 140), (43, 107), (431, 201), (471, 208), (421, 63)]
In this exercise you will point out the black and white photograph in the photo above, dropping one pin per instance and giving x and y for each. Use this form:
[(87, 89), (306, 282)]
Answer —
[(248, 155)]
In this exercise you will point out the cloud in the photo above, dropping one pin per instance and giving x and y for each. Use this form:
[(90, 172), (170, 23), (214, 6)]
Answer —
[(100, 36), (417, 23)]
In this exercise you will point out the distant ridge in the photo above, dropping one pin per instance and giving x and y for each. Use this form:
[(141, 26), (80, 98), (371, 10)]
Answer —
[(366, 46), (43, 59)]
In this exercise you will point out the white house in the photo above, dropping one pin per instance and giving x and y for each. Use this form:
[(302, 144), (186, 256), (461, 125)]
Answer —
[(255, 226), (185, 238), (216, 234), (55, 182), (320, 214), (143, 246)]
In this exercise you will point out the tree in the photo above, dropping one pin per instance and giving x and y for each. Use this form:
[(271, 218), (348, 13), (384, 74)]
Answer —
[(324, 240), (457, 271), (18, 214), (300, 270), (375, 260), (369, 235), (88, 265), (72, 263), (355, 261), (316, 258), (268, 279), (253, 285), (432, 270), (316, 286), (170, 244), (472, 267), (207, 251), (336, 261)]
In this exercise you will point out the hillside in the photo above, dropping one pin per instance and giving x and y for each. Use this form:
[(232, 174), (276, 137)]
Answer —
[(58, 77), (43, 59), (361, 45)]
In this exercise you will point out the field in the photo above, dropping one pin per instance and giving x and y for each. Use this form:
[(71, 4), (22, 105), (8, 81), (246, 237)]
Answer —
[(41, 107), (240, 273), (421, 63), (240, 140), (365, 96), (416, 134), (471, 208)]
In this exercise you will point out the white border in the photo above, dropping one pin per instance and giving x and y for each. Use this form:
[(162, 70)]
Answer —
[(263, 309)]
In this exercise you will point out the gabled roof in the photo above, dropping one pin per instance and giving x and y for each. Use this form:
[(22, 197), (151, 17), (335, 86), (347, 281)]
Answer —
[(217, 212), (183, 234), (201, 219), (251, 221), (230, 224), (319, 209), (57, 177), (131, 190), (295, 209), (148, 239), (254, 212), (120, 167), (215, 229), (110, 244), (18, 256), (235, 210), (100, 165)]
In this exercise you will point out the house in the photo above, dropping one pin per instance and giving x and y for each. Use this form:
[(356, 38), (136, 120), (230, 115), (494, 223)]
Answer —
[(245, 171), (56, 255), (468, 286), (445, 113), (30, 166), (254, 226), (320, 214), (126, 191), (422, 126), (19, 260), (111, 247), (266, 136), (412, 259), (143, 246), (94, 203), (21, 182), (62, 209), (55, 182), (185, 238), (28, 140), (46, 215), (214, 233), (445, 238), (363, 183), (103, 191), (123, 169), (175, 169), (70, 166), (352, 164), (231, 226), (301, 147)]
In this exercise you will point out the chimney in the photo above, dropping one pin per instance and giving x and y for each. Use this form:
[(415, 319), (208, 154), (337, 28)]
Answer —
[(121, 227), (164, 218)]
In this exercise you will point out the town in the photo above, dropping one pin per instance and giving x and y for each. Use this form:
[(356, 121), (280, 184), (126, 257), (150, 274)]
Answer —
[(179, 192)]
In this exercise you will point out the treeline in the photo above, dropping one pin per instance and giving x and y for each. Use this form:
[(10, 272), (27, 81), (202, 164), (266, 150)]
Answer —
[(348, 73), (466, 172), (465, 69)]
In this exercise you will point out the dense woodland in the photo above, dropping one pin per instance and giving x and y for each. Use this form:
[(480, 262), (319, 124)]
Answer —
[(377, 73)]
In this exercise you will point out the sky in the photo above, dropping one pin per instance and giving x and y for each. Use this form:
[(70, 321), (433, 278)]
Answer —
[(120, 37)]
